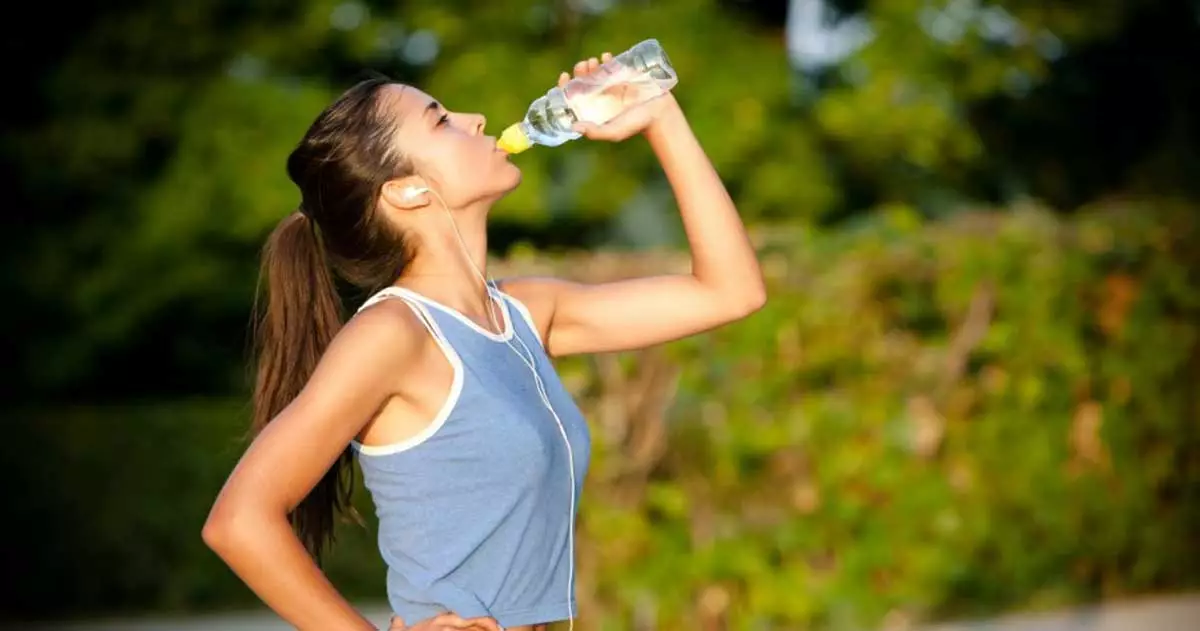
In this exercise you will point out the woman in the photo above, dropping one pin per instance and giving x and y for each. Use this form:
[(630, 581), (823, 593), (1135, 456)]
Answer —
[(472, 450)]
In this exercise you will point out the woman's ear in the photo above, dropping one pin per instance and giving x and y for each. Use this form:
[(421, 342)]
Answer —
[(405, 194)]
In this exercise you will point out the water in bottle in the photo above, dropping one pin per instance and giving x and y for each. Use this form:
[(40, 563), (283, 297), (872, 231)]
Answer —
[(635, 76)]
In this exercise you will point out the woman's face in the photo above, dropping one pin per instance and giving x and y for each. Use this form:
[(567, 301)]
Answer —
[(449, 149)]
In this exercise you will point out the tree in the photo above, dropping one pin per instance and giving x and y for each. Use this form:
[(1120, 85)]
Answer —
[(152, 143)]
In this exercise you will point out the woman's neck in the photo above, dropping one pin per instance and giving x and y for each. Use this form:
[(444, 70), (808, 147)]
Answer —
[(450, 270)]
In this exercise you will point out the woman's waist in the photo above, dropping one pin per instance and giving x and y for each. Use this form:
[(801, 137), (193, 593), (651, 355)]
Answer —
[(516, 598), (526, 618)]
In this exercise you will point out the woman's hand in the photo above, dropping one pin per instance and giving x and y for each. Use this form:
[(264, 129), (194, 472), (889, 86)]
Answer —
[(634, 119), (446, 622)]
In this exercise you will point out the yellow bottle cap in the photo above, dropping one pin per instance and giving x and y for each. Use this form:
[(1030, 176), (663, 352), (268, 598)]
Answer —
[(513, 140)]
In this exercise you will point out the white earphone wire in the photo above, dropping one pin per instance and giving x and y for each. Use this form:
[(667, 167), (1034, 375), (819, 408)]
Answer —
[(530, 362)]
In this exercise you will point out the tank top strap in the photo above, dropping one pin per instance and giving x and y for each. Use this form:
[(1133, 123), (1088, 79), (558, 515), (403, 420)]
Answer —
[(435, 331), (414, 302), (510, 303)]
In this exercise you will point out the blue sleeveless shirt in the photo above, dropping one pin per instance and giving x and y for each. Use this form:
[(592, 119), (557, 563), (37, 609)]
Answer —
[(476, 513)]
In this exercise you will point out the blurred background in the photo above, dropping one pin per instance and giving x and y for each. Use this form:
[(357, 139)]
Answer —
[(973, 390)]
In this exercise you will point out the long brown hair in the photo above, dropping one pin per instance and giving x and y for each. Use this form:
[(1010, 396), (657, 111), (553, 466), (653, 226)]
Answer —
[(340, 167)]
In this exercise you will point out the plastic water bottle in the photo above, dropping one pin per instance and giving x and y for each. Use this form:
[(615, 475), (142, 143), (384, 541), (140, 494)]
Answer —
[(635, 76)]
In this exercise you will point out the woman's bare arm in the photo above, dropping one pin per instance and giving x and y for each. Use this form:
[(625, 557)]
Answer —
[(248, 526)]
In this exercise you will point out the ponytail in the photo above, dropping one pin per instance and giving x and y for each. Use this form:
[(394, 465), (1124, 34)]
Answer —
[(301, 315)]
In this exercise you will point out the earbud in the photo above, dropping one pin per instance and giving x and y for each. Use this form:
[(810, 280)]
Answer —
[(411, 192)]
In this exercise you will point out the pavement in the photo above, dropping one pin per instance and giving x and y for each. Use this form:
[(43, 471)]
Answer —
[(248, 621), (1167, 613)]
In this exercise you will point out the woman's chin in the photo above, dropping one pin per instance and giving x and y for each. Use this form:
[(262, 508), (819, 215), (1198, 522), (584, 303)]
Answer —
[(514, 178), (507, 185)]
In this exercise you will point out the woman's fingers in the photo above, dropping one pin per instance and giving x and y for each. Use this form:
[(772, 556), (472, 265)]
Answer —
[(483, 624), (454, 621)]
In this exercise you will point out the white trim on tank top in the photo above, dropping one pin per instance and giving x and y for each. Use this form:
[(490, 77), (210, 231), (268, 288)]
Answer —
[(524, 311), (495, 295), (456, 385)]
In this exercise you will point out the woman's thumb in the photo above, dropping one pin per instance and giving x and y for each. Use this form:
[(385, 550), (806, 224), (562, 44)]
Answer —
[(587, 129)]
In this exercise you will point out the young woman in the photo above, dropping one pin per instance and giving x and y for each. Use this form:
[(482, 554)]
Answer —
[(472, 450)]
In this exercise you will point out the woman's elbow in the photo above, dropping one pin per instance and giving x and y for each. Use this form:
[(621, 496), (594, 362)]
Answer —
[(225, 527), (733, 305), (757, 299), (749, 301), (216, 532)]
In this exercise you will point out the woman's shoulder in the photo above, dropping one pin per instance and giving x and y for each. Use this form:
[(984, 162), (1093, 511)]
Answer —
[(388, 329), (372, 354), (535, 294)]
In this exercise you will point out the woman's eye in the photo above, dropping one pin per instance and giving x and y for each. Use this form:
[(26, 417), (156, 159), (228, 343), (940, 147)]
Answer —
[(443, 120)]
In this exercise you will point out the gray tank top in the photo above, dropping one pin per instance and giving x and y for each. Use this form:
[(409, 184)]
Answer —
[(476, 513)]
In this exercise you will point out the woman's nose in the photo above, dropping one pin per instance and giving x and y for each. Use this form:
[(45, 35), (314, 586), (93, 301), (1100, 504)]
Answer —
[(480, 123)]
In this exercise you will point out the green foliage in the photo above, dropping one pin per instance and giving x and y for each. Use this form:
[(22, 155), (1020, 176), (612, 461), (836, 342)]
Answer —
[(907, 94), (151, 151), (927, 420), (108, 506)]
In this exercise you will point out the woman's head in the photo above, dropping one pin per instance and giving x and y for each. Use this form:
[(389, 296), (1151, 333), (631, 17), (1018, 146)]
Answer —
[(448, 152), (360, 155), (352, 167)]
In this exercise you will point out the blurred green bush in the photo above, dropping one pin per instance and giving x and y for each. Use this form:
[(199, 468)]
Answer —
[(992, 412)]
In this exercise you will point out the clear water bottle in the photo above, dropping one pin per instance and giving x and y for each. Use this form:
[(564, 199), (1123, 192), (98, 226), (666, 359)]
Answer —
[(635, 76)]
